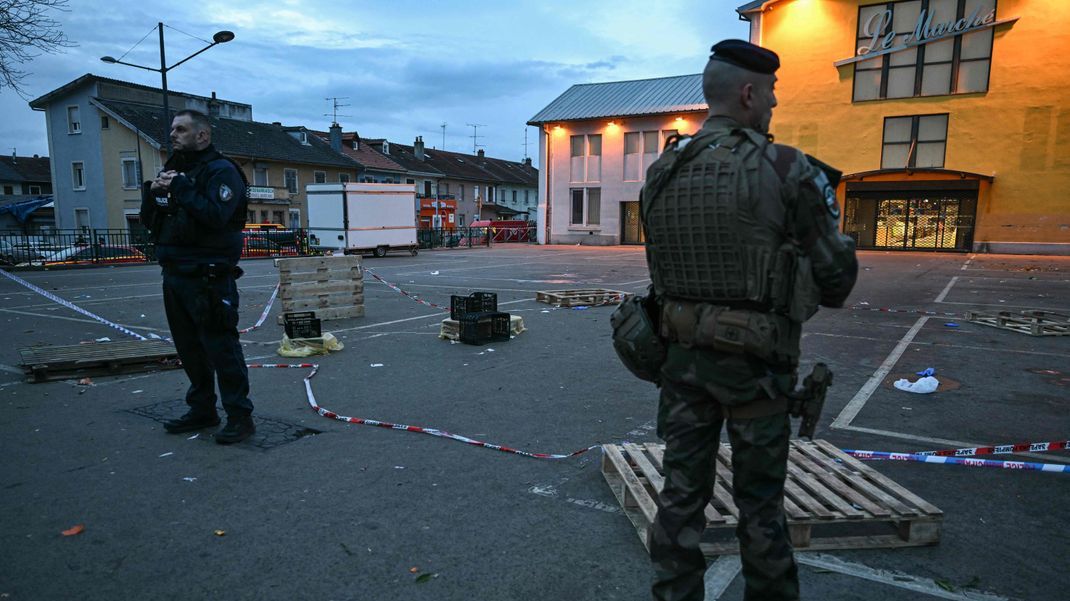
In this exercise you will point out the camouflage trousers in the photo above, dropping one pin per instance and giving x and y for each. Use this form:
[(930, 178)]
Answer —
[(689, 421)]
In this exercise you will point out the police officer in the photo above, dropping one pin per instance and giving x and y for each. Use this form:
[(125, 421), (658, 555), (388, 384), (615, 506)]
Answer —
[(195, 210), (742, 246)]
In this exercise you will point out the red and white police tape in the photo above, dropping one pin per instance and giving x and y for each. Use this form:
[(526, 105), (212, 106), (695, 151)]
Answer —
[(914, 311), (941, 456), (395, 288), (264, 314), (1003, 449), (1010, 465)]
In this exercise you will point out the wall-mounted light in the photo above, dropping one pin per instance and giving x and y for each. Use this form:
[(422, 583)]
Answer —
[(679, 119), (612, 126)]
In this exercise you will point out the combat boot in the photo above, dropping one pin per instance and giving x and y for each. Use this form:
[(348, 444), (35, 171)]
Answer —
[(192, 420), (236, 430)]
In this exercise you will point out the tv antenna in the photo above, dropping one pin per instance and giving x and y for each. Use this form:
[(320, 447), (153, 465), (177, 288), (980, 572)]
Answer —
[(443, 126), (335, 106), (525, 143), (475, 136)]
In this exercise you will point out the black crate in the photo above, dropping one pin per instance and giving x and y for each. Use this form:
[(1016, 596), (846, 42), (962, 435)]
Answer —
[(477, 302), (481, 328), (302, 324)]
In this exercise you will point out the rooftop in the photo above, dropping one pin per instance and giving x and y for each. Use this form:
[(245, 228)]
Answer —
[(682, 93)]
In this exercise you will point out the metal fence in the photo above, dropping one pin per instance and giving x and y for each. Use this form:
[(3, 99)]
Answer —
[(57, 248), (468, 237)]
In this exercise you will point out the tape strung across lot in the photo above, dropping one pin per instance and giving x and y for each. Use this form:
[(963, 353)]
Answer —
[(941, 456), (914, 311), (1009, 465), (1004, 449), (403, 293), (70, 305)]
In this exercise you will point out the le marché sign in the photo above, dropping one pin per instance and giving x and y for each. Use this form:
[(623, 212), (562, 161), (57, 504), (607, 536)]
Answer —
[(928, 29)]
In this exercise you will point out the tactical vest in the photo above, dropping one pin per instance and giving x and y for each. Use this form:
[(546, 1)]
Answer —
[(702, 210), (178, 227)]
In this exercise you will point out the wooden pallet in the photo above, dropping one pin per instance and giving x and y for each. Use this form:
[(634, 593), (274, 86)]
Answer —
[(1034, 323), (832, 500), (450, 329), (333, 287), (576, 298), (47, 363)]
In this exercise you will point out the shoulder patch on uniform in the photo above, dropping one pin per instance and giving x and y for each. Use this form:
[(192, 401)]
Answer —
[(821, 183), (225, 193)]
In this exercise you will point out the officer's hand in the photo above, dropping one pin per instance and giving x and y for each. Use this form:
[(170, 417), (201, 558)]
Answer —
[(162, 183)]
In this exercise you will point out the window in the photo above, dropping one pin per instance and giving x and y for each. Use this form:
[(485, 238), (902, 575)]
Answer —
[(78, 175), (295, 218), (343, 178), (526, 196), (291, 180), (586, 158), (460, 219), (948, 65), (35, 190), (586, 206), (9, 190), (640, 150), (74, 120), (104, 123), (444, 188), (320, 177), (263, 216), (250, 217), (514, 196), (131, 174), (277, 217), (490, 193), (260, 176), (460, 192), (81, 219), (914, 141)]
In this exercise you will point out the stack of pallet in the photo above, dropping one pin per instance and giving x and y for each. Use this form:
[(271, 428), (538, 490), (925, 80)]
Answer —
[(333, 287)]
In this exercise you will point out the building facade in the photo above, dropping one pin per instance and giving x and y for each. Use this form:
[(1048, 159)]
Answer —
[(595, 143), (110, 135), (949, 118)]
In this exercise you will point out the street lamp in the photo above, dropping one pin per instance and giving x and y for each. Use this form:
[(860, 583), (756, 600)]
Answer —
[(221, 37)]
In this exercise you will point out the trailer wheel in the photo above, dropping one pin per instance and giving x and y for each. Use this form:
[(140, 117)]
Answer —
[(380, 251), (414, 251)]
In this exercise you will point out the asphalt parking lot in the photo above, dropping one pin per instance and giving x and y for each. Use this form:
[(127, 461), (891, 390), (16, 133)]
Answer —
[(355, 512)]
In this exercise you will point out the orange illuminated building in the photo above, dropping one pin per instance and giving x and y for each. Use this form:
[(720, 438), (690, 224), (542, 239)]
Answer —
[(949, 118)]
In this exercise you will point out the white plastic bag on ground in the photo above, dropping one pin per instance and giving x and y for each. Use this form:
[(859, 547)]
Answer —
[(922, 386)]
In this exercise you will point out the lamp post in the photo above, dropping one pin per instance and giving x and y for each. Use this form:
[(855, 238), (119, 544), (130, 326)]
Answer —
[(221, 37)]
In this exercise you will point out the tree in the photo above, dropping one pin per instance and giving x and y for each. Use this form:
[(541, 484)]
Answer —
[(27, 31)]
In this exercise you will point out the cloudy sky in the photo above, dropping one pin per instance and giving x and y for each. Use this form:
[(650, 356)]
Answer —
[(404, 67)]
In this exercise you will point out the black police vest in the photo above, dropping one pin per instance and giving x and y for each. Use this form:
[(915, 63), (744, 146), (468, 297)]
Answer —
[(179, 228)]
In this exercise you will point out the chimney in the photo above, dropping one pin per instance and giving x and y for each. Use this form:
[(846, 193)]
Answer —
[(277, 123), (418, 148), (480, 153), (527, 161), (336, 137)]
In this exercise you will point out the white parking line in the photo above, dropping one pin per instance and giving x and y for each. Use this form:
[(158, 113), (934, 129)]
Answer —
[(894, 578), (720, 575), (852, 409), (940, 299)]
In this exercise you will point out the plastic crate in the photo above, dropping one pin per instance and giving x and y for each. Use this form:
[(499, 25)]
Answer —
[(481, 328), (477, 302), (302, 324)]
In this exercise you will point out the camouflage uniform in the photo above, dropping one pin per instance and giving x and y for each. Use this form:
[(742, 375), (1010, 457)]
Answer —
[(703, 388)]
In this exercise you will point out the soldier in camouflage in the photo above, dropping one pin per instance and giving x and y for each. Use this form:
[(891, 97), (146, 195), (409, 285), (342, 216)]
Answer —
[(743, 245)]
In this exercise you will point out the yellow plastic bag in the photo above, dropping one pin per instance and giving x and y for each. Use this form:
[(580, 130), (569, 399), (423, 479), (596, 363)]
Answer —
[(306, 347)]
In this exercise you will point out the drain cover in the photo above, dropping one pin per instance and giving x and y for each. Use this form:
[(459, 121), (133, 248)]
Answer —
[(270, 432)]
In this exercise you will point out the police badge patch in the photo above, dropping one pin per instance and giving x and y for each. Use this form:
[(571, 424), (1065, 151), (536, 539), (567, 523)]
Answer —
[(225, 193)]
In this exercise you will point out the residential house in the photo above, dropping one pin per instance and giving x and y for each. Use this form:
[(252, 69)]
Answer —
[(106, 136), (595, 144), (372, 166), (25, 176)]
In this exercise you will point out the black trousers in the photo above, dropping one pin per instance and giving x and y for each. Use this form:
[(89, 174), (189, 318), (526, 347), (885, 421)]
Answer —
[(202, 312)]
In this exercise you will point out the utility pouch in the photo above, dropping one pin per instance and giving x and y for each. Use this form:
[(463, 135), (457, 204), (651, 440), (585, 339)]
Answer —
[(781, 278)]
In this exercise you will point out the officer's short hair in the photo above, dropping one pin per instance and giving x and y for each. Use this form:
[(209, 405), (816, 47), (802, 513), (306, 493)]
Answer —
[(199, 119)]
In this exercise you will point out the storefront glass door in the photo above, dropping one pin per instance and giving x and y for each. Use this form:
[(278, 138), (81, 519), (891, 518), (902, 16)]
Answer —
[(631, 228), (919, 221)]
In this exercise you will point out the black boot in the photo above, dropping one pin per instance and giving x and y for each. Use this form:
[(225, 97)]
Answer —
[(236, 430), (192, 420)]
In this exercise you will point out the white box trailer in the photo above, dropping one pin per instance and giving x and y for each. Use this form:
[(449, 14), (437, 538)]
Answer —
[(362, 218)]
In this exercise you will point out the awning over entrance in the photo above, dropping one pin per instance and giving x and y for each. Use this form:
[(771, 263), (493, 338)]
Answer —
[(912, 209)]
